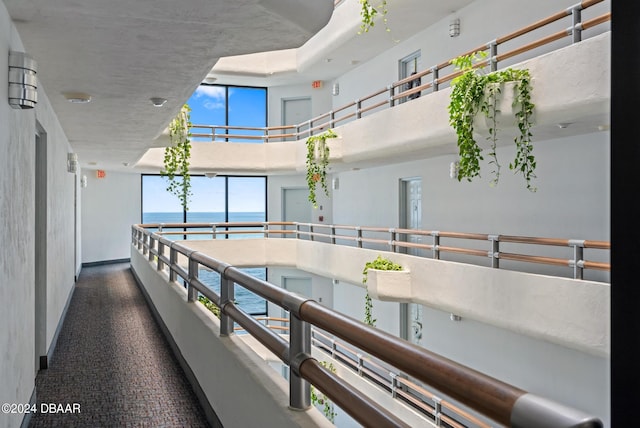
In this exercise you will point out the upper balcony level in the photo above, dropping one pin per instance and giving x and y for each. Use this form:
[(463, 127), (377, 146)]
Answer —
[(571, 85)]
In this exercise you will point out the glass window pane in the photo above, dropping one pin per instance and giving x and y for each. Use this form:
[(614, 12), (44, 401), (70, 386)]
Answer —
[(247, 108), (208, 107), (158, 205), (207, 203), (247, 203)]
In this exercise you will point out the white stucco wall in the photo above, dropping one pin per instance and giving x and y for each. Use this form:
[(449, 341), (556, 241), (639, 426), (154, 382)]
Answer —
[(110, 206), (17, 210)]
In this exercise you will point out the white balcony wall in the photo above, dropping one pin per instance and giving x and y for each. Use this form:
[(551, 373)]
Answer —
[(110, 205), (546, 335), (18, 355)]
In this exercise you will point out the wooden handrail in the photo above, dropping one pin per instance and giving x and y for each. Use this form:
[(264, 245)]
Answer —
[(538, 24), (334, 235)]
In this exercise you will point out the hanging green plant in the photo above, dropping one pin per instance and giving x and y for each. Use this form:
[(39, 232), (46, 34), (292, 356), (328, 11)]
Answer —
[(177, 157), (317, 162), (320, 399), (369, 12), (474, 92), (379, 263), (209, 305)]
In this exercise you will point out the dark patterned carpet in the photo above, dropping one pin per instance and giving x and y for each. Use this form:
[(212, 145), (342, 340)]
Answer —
[(113, 363)]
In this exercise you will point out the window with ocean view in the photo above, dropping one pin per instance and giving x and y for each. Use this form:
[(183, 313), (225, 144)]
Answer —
[(219, 199)]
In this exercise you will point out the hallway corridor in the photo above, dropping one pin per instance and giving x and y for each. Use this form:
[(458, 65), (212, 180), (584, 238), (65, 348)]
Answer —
[(113, 363)]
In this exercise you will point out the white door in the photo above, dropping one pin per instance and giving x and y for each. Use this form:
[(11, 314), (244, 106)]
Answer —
[(295, 111), (295, 205)]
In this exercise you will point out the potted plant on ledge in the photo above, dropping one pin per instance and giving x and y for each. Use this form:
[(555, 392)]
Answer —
[(387, 281)]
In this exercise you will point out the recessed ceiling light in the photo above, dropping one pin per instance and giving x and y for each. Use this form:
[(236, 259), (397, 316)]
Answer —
[(77, 97), (125, 163), (563, 125), (209, 79), (157, 101), (93, 163)]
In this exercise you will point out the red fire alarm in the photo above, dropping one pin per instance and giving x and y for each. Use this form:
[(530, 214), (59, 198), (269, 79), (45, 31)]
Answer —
[(316, 84), (101, 174)]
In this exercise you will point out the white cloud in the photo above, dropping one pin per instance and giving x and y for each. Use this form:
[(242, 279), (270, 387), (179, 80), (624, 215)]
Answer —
[(215, 92), (213, 105)]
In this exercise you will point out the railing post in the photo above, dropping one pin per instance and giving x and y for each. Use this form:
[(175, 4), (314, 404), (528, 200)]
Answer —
[(394, 384), (578, 256), (332, 118), (493, 55), (309, 132), (227, 295), (265, 229), (358, 107), (392, 92), (160, 254), (576, 24), (392, 242), (494, 253), (360, 364), (359, 240), (173, 259), (151, 245), (437, 411), (192, 292), (333, 234), (311, 237), (434, 78), (213, 232), (299, 350), (145, 244), (436, 245)]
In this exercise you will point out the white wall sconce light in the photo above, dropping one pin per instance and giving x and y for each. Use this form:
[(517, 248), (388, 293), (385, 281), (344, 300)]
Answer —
[(72, 163), (83, 181), (454, 317), (454, 167), (335, 183), (23, 83), (336, 89), (454, 27)]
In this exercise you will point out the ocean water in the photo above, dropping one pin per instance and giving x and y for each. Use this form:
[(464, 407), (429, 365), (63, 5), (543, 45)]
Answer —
[(201, 217), (247, 300)]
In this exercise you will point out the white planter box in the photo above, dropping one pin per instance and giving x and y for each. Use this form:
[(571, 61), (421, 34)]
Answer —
[(389, 285)]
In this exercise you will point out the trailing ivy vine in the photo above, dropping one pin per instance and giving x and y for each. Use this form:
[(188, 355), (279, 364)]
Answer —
[(209, 305), (317, 162), (321, 399), (369, 12), (474, 92), (379, 263), (177, 157)]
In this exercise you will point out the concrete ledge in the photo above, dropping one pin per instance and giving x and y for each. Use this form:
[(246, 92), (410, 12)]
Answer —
[(569, 312)]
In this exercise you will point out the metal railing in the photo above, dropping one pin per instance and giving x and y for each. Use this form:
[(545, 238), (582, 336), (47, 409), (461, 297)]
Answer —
[(400, 240), (439, 76), (440, 411), (493, 398)]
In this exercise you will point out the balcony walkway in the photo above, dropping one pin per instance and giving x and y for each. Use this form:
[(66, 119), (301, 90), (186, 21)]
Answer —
[(113, 360)]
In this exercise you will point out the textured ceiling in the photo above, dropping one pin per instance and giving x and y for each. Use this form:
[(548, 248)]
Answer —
[(123, 52)]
